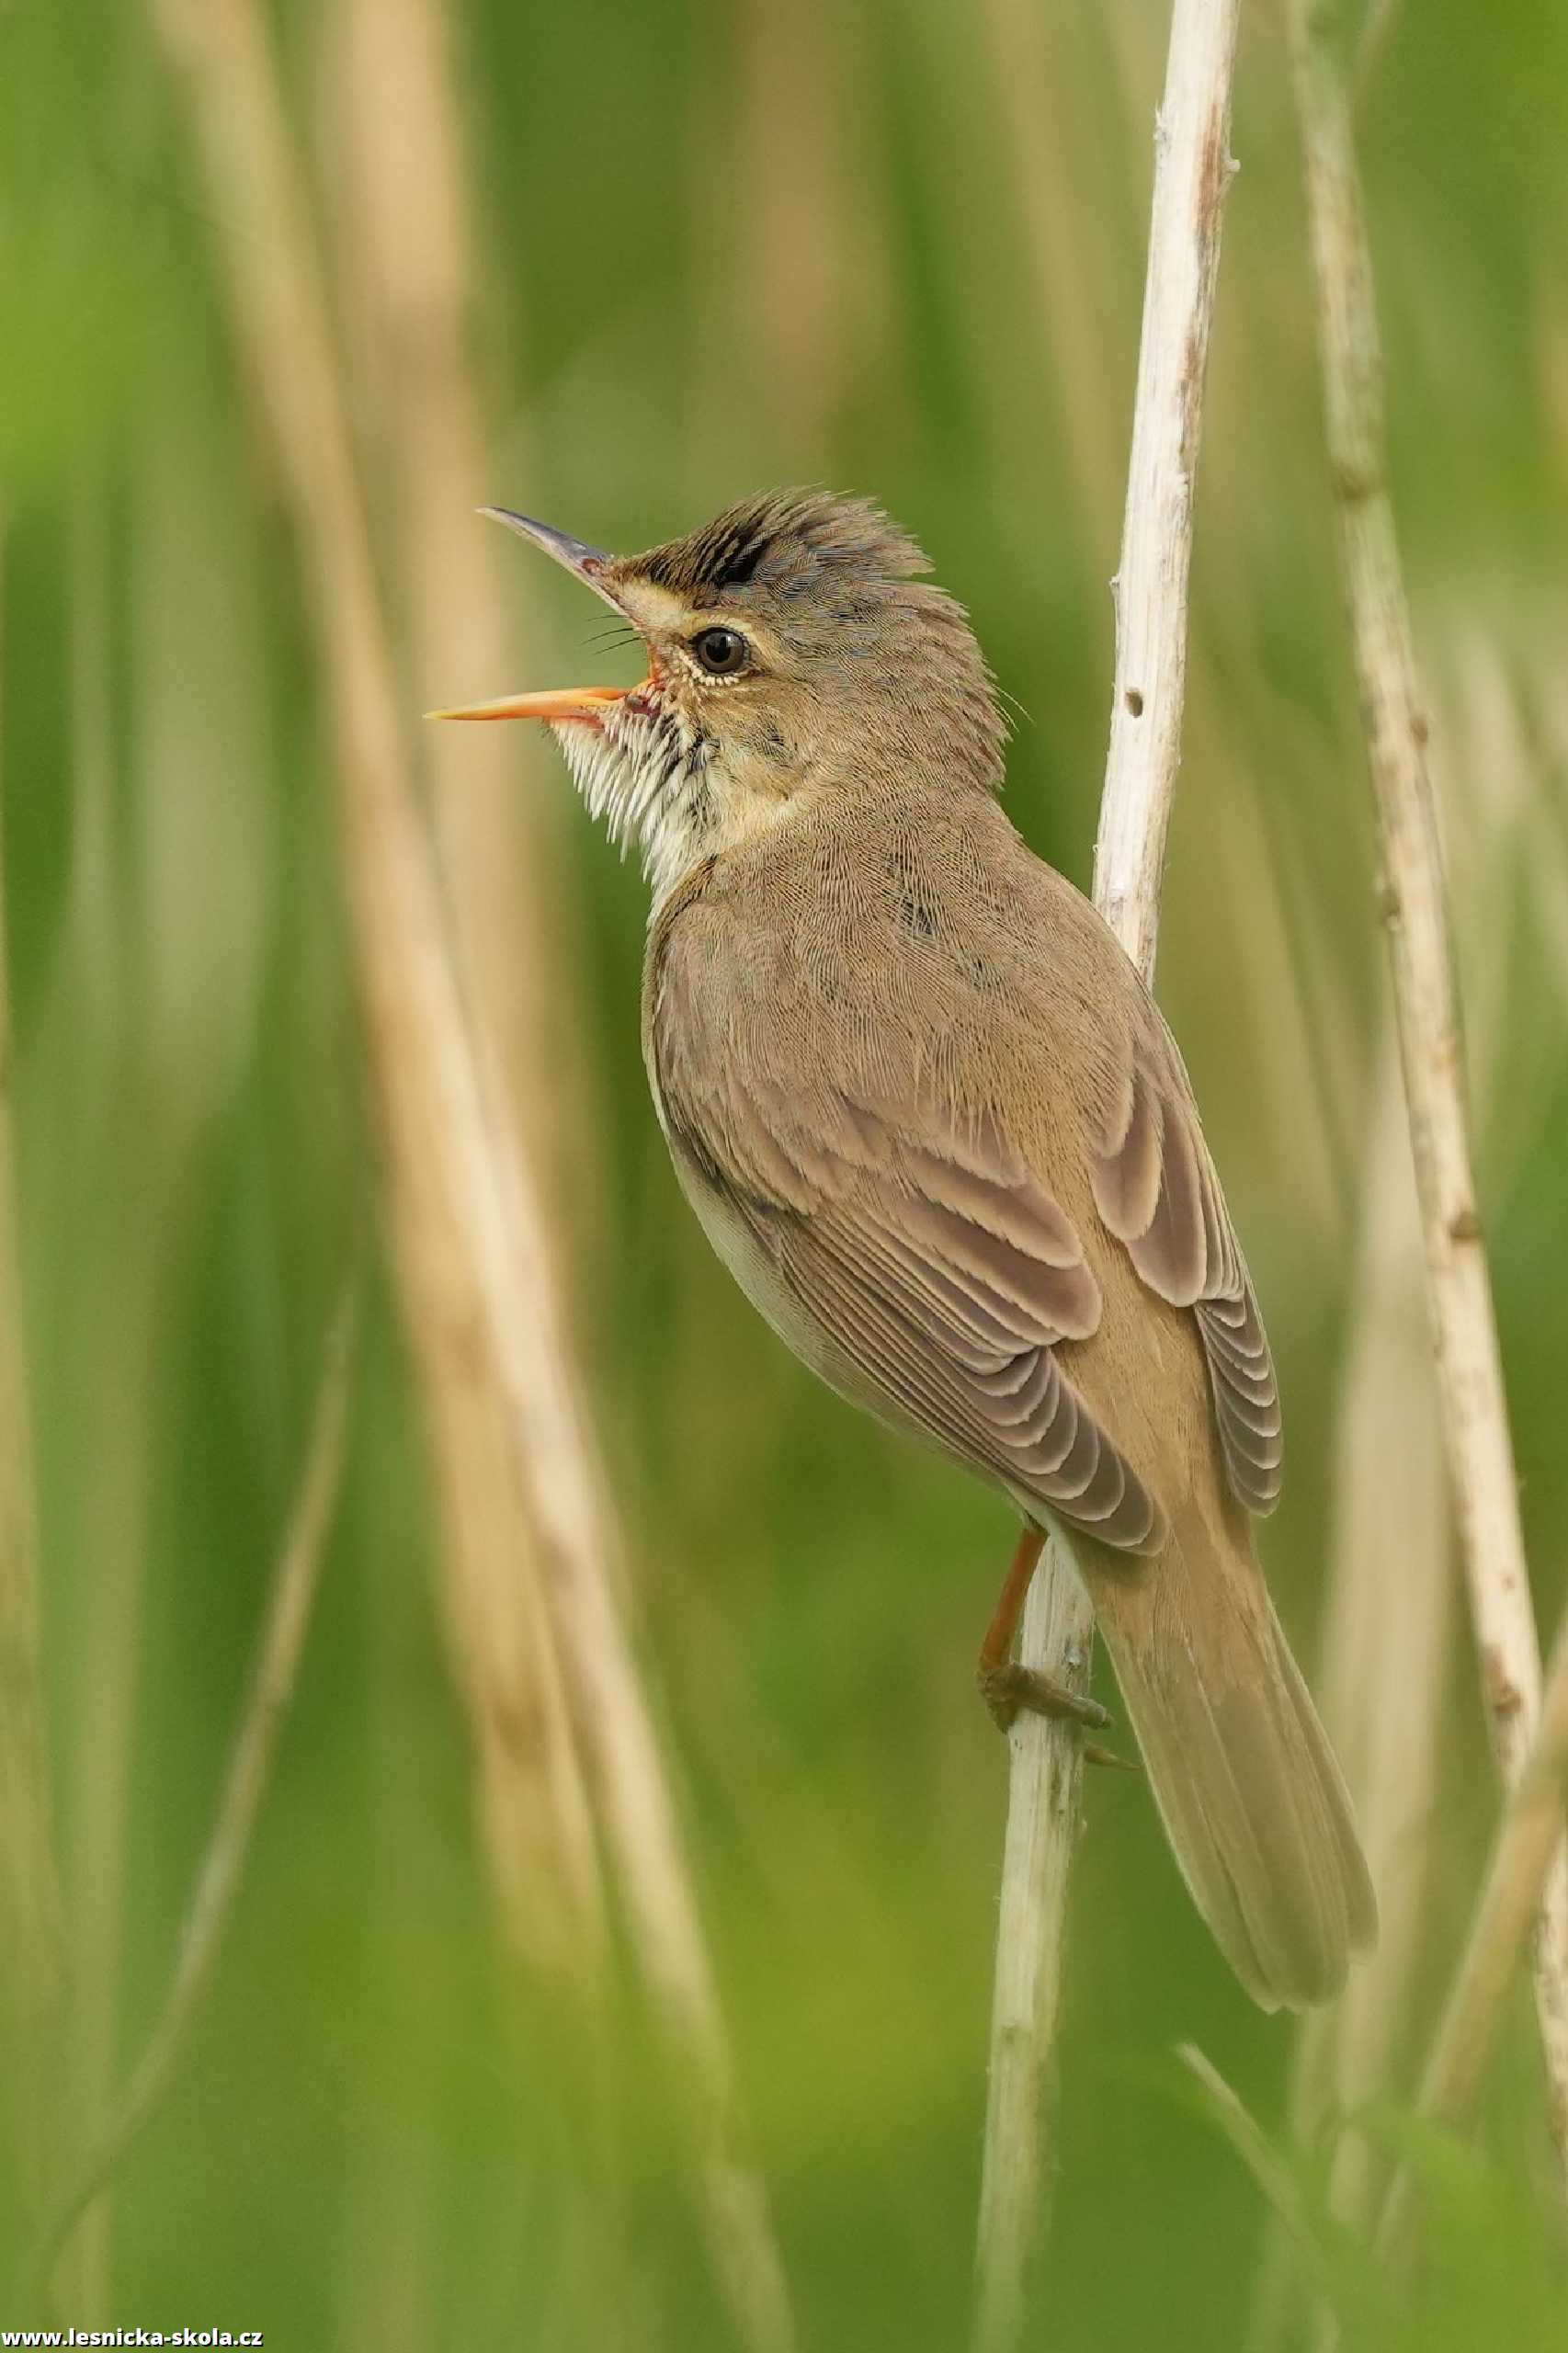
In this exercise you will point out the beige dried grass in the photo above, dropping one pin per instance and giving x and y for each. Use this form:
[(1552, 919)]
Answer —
[(470, 1239)]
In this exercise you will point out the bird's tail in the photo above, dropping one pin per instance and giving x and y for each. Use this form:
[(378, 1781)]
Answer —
[(1253, 1801)]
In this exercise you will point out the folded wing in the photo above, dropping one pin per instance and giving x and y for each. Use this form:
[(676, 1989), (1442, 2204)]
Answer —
[(936, 1262), (1156, 1189)]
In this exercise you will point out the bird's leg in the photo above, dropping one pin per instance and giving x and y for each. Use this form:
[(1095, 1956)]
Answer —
[(1004, 1685)]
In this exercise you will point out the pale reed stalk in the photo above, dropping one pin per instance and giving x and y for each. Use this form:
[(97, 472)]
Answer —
[(794, 279), (1192, 171), (1389, 1597), (409, 256), (120, 1210), (1389, 1575), (472, 1249), (1527, 1840), (1068, 252), (32, 1964), (427, 298), (1415, 911), (112, 1345)]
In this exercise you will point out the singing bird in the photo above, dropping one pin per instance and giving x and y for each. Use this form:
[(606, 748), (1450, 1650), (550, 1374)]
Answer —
[(936, 1126)]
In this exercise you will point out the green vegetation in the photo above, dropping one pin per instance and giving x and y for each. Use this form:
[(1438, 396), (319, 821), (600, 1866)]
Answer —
[(896, 248)]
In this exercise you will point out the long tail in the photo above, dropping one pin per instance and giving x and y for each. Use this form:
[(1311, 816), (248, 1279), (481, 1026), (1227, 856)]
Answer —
[(1253, 1801)]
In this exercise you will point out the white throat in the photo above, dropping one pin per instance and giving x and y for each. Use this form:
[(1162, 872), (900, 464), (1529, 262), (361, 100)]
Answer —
[(647, 773), (641, 770)]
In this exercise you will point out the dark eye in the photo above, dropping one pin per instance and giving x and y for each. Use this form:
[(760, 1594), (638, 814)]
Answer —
[(722, 652)]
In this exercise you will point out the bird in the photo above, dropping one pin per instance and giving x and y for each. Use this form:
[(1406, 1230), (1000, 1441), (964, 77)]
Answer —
[(933, 1122)]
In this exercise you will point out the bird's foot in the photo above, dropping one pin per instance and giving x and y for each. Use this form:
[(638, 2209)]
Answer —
[(1006, 1687)]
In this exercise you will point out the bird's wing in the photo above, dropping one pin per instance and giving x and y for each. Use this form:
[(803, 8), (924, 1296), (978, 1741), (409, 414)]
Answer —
[(921, 1244), (1156, 1189)]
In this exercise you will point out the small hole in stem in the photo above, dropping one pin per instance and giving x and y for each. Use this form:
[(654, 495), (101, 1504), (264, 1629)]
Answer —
[(1135, 702)]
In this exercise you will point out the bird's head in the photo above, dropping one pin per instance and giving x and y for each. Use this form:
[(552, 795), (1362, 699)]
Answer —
[(792, 651)]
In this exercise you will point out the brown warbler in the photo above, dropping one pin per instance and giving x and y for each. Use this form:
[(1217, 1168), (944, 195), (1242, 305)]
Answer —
[(933, 1123)]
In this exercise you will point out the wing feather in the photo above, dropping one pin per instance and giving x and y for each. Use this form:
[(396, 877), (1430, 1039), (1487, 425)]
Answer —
[(941, 1268), (1156, 1189)]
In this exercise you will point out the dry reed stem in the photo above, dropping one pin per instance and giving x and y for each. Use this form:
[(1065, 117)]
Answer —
[(1391, 1503), (408, 258), (411, 267), (32, 1963), (125, 1251), (294, 1586), (1391, 1597), (1527, 1840), (1066, 245), (794, 284), (473, 1253), (1192, 170), (1415, 911)]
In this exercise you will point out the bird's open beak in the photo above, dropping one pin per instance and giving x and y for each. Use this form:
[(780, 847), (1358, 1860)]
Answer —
[(555, 702)]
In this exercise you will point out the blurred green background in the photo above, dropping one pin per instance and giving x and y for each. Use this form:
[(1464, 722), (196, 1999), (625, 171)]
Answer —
[(696, 250)]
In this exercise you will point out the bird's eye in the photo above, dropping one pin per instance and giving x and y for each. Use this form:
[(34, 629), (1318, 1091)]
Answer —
[(722, 652)]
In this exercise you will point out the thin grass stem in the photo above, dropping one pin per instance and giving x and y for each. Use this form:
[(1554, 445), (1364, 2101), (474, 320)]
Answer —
[(292, 1599)]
